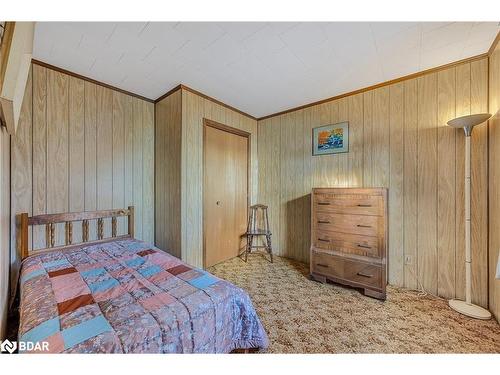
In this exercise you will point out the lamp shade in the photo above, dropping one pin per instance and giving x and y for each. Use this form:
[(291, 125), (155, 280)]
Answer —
[(469, 121)]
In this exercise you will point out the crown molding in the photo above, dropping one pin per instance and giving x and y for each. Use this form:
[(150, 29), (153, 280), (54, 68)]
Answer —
[(199, 93), (76, 75)]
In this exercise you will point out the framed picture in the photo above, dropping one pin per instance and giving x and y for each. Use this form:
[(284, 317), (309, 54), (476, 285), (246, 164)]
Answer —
[(330, 139)]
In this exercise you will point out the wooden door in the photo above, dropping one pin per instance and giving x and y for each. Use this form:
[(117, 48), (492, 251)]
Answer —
[(225, 193)]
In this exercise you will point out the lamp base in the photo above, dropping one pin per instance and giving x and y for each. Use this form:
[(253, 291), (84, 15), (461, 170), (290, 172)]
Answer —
[(471, 310)]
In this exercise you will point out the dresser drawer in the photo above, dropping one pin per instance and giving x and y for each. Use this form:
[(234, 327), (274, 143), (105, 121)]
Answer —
[(326, 264), (363, 273), (347, 243), (353, 224), (349, 204), (366, 274)]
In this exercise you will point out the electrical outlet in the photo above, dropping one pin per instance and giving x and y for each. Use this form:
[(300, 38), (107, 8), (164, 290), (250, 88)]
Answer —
[(408, 259)]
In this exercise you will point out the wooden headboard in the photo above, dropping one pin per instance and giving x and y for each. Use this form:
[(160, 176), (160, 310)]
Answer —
[(24, 222)]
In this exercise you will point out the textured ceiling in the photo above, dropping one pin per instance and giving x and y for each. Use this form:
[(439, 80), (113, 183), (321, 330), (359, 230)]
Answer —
[(257, 67)]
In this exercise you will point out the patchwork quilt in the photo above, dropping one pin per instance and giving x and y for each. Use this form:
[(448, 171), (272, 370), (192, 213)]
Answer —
[(126, 296)]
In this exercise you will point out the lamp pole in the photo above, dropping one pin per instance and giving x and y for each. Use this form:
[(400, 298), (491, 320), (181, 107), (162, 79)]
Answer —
[(466, 307)]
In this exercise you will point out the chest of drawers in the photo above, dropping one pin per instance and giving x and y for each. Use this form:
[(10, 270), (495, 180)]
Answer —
[(349, 238)]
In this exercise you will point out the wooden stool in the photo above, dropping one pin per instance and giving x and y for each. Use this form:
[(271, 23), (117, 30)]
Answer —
[(254, 232)]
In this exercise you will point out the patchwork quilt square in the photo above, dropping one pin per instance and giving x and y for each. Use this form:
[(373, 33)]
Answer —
[(170, 283), (68, 286), (191, 274), (110, 293), (93, 272), (74, 303), (157, 301), (150, 270), (203, 281), (141, 293), (85, 330), (62, 271), (42, 331), (135, 262), (141, 333), (38, 308), (103, 285), (79, 315), (183, 290), (177, 270), (31, 275), (56, 264), (163, 260), (160, 277), (143, 253)]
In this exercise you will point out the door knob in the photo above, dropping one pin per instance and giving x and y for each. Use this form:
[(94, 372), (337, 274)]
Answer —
[(218, 203)]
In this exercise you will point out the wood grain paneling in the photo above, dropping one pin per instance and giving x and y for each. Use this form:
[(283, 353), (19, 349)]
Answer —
[(74, 151), (91, 153), (57, 147), (410, 180), (168, 173), (148, 163), (194, 108), (427, 181), (21, 178), (118, 147), (4, 228), (398, 140), (446, 184), (462, 108), (396, 175), (138, 128), (39, 148), (494, 180), (104, 151), (479, 184)]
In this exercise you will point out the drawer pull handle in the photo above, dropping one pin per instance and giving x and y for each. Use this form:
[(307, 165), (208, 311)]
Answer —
[(364, 205), (364, 226), (323, 240), (324, 203), (364, 275), (323, 222), (364, 246), (321, 265)]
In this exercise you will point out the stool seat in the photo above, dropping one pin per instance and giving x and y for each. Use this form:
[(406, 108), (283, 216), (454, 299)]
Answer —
[(254, 231), (260, 232)]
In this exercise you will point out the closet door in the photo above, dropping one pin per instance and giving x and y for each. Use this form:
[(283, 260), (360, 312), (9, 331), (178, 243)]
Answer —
[(225, 193)]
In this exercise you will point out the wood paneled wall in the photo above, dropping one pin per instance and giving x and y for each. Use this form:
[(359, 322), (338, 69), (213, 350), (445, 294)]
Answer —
[(168, 173), (494, 180), (398, 139), (194, 108), (4, 227), (81, 146)]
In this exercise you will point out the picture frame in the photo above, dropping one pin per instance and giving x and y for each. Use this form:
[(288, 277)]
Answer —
[(330, 139)]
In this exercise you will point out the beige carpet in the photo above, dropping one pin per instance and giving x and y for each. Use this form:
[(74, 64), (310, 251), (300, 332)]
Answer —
[(303, 316)]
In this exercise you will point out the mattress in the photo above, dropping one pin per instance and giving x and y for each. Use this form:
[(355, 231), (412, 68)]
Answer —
[(127, 296)]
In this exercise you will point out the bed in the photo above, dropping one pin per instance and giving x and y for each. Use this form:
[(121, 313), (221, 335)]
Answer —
[(122, 295)]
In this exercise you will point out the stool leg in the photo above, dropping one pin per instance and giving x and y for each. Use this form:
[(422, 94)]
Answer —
[(249, 246), (269, 246)]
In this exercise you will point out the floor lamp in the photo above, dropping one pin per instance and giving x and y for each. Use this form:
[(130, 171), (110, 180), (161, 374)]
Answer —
[(467, 307)]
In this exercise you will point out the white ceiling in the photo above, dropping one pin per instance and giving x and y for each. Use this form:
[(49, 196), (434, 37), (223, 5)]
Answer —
[(257, 67)]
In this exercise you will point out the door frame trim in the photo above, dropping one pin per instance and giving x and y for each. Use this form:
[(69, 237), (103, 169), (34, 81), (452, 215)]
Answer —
[(229, 129)]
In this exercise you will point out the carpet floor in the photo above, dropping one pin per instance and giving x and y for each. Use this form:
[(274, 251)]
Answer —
[(304, 316)]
